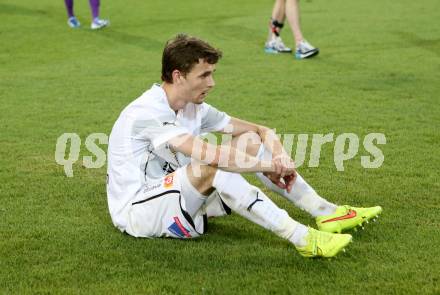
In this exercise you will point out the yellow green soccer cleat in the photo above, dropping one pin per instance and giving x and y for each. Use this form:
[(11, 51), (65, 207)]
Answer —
[(322, 244), (347, 217)]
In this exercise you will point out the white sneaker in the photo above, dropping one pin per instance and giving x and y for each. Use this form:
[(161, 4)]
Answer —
[(276, 45), (73, 22), (98, 23), (305, 50)]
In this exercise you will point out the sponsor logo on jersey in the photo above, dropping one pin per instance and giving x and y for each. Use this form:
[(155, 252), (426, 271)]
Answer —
[(168, 181), (151, 187), (178, 229)]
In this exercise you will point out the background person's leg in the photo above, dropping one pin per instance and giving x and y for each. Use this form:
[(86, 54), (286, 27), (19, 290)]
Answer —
[(72, 21), (97, 23), (94, 7), (303, 48), (278, 14), (69, 7), (292, 15), (274, 43)]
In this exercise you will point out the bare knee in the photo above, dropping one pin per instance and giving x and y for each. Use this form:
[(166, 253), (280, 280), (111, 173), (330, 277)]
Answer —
[(201, 177)]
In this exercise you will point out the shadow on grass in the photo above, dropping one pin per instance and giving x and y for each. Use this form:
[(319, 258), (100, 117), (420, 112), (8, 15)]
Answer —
[(432, 45), (142, 42), (18, 10), (147, 43)]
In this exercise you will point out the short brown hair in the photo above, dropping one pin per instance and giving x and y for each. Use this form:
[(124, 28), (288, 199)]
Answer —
[(183, 52)]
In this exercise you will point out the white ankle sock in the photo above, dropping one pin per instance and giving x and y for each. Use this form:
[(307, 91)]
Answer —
[(299, 235)]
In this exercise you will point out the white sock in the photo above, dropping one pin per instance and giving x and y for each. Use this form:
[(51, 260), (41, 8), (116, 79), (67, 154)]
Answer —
[(251, 203), (299, 235), (302, 194)]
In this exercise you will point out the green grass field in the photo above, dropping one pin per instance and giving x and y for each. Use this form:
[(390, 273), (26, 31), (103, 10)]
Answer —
[(378, 71)]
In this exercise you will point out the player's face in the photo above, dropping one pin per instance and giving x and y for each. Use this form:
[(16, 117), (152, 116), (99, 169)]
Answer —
[(198, 82)]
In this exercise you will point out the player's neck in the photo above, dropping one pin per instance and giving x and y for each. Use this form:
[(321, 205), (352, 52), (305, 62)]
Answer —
[(174, 100)]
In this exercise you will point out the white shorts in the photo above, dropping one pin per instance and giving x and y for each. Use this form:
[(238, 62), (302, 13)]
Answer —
[(160, 209)]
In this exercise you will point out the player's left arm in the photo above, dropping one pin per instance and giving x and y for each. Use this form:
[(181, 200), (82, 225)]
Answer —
[(271, 141)]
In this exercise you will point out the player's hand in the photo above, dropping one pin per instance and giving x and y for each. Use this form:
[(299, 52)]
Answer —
[(289, 181), (285, 182), (283, 165)]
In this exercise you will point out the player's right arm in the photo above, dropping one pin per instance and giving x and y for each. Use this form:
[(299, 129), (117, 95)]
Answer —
[(226, 158)]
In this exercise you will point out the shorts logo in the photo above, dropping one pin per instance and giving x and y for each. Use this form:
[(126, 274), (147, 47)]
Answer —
[(178, 229), (168, 181)]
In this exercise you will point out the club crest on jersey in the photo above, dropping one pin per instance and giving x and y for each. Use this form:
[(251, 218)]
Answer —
[(168, 181), (178, 229)]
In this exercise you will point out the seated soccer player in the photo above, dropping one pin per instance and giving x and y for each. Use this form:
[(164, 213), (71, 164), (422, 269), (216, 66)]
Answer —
[(164, 180)]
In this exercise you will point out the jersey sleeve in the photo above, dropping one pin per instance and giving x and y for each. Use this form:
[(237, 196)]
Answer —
[(213, 119), (157, 131)]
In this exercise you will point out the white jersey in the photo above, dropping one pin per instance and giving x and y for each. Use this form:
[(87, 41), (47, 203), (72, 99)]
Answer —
[(138, 152)]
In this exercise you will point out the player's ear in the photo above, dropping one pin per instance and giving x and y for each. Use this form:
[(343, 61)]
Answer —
[(177, 76)]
